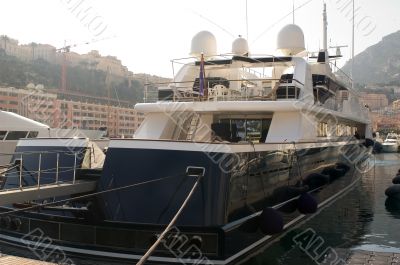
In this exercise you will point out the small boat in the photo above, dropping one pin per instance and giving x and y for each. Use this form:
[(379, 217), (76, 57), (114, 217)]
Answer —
[(14, 127), (391, 143)]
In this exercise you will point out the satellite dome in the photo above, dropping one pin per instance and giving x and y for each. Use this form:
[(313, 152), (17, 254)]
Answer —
[(291, 40), (240, 46), (204, 42)]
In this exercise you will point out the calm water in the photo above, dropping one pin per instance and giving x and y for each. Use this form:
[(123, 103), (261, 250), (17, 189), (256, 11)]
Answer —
[(362, 219)]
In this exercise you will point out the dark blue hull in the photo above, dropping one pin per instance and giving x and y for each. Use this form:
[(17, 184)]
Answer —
[(221, 221)]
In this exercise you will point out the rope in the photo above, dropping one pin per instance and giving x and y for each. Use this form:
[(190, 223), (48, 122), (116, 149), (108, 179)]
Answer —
[(297, 162), (87, 195), (168, 228)]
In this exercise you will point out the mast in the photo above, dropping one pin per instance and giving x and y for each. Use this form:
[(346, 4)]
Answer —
[(352, 51), (247, 23), (325, 29)]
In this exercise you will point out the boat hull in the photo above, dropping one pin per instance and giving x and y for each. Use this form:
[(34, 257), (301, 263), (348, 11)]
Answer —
[(228, 206)]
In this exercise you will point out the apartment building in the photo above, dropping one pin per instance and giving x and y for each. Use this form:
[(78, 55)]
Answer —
[(72, 110)]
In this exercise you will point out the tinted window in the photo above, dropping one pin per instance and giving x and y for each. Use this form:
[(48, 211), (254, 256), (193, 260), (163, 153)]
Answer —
[(15, 135), (2, 134), (254, 130), (33, 134)]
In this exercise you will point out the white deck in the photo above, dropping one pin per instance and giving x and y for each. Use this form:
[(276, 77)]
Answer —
[(45, 191)]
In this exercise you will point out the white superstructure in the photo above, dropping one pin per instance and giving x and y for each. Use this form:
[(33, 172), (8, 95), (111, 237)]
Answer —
[(14, 127), (290, 98)]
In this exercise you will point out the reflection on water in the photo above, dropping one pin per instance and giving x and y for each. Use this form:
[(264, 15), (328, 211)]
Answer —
[(363, 219)]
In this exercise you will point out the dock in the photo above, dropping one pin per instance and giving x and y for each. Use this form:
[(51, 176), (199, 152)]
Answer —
[(361, 257), (11, 260)]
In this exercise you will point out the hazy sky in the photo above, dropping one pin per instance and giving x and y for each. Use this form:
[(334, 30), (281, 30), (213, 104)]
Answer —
[(146, 35)]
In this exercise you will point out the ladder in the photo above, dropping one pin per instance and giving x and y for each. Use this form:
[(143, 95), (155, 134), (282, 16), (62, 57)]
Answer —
[(192, 126)]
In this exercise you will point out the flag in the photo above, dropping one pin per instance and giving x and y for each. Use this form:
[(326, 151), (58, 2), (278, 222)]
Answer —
[(201, 77)]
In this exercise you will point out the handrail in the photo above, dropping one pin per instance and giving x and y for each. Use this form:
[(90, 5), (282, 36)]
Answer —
[(229, 80), (187, 94), (57, 170)]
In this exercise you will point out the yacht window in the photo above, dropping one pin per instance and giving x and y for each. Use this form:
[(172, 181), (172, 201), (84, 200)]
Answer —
[(236, 130), (286, 78), (338, 130), (2, 135), (15, 135), (32, 134), (221, 131), (322, 129), (287, 92), (348, 131)]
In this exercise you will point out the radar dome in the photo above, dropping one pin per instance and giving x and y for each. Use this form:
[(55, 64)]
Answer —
[(291, 40), (204, 42), (240, 46)]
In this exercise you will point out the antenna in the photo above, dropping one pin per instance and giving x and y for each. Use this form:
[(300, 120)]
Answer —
[(214, 23), (279, 20), (247, 23), (293, 11), (352, 51), (325, 29)]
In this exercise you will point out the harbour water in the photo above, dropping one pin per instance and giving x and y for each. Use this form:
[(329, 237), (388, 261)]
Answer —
[(363, 219)]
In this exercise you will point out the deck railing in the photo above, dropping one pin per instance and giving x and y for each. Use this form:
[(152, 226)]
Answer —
[(246, 90), (18, 169)]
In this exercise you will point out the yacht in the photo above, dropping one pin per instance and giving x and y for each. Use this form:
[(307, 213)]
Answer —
[(391, 143), (14, 127), (232, 153)]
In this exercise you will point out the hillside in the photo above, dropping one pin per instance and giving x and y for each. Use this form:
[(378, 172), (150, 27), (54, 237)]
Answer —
[(18, 73), (378, 64)]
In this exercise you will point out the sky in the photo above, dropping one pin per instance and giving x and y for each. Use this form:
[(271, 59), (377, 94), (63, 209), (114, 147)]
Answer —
[(146, 35)]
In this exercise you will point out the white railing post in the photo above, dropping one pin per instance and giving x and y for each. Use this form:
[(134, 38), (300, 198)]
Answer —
[(57, 167), (73, 181), (39, 170), (20, 173)]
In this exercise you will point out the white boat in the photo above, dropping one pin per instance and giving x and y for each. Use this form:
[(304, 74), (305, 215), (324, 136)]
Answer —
[(391, 143), (14, 127)]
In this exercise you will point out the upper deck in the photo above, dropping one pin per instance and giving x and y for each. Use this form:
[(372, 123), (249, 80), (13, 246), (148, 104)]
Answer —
[(251, 79), (236, 78)]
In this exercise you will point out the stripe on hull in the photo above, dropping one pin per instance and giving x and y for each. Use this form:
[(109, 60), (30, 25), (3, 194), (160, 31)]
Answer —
[(222, 147), (176, 260)]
